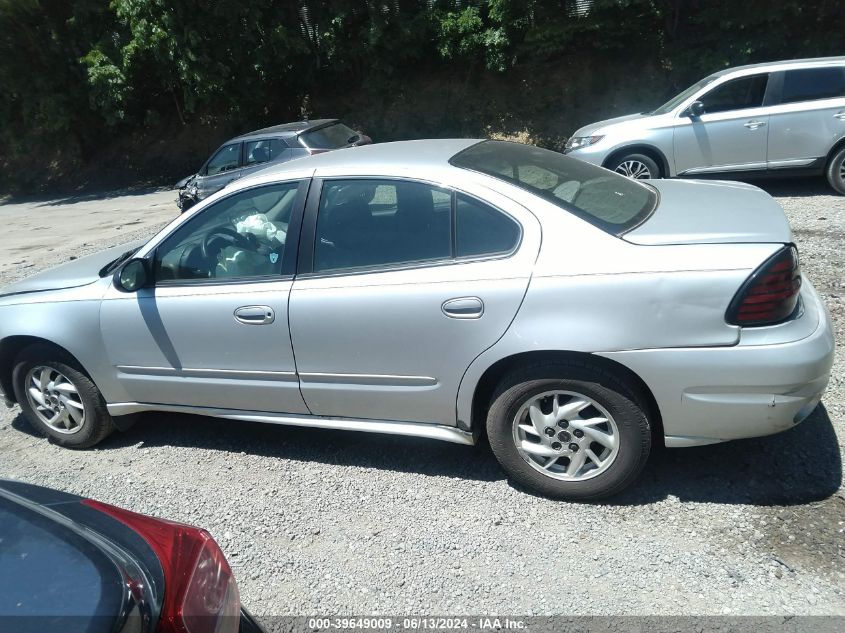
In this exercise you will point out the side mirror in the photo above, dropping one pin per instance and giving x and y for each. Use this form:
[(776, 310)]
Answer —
[(131, 276), (696, 109)]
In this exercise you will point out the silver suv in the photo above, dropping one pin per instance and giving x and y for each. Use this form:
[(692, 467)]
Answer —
[(778, 117)]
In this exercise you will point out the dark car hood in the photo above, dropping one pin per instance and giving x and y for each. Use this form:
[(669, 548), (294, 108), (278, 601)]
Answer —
[(184, 182), (79, 272)]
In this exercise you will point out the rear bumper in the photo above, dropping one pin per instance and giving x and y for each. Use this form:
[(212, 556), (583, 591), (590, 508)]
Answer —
[(716, 394)]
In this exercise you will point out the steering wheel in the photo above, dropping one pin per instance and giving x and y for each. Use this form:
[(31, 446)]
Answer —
[(221, 237)]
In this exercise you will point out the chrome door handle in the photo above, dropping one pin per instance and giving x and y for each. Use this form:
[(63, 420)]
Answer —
[(463, 308), (753, 125), (255, 315), (840, 115)]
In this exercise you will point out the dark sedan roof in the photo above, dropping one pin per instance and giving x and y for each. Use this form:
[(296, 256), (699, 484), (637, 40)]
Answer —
[(286, 129)]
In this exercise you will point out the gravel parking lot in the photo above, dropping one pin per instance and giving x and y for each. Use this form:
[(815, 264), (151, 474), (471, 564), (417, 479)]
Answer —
[(325, 523)]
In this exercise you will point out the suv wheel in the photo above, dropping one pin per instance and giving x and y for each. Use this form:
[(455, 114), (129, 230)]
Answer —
[(579, 437), (58, 399), (636, 166), (836, 171)]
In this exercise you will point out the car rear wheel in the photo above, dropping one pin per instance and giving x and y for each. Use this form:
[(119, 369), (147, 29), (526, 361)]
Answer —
[(569, 431), (58, 399), (636, 166), (836, 171)]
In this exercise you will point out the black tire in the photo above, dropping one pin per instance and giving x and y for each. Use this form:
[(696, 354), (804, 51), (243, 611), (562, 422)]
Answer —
[(96, 425), (642, 159), (618, 398), (835, 171)]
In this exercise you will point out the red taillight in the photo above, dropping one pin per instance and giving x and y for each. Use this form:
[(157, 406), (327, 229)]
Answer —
[(200, 592), (770, 295)]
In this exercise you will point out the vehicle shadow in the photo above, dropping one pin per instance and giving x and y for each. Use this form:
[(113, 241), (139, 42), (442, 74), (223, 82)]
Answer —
[(84, 196), (799, 466), (794, 187)]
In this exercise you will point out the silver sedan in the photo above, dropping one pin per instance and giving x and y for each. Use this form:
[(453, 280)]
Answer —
[(443, 289)]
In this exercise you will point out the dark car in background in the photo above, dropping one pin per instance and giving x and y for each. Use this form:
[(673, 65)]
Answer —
[(250, 152), (71, 564)]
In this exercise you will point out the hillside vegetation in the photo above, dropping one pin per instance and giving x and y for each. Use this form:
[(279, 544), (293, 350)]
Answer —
[(106, 93)]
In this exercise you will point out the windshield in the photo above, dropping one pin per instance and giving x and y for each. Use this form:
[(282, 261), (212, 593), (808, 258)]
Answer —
[(607, 200), (678, 99), (332, 136)]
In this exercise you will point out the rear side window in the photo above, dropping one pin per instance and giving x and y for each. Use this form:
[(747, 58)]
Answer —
[(364, 223), (262, 151), (737, 94), (482, 230), (810, 84), (605, 199), (330, 137)]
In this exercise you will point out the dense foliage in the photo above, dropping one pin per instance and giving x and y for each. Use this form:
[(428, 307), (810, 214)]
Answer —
[(81, 77)]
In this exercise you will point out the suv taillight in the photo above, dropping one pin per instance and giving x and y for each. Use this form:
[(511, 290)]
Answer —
[(200, 592), (770, 295)]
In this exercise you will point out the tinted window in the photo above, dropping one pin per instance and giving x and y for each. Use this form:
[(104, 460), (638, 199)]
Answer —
[(813, 83), (377, 222), (242, 235), (226, 159), (52, 573), (482, 230), (605, 199), (263, 151), (737, 94), (330, 137)]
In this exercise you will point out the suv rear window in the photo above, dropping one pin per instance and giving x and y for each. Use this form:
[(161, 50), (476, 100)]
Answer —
[(810, 84), (607, 200), (332, 136)]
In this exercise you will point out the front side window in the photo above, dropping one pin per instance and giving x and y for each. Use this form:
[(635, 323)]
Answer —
[(605, 199), (737, 94), (242, 235), (364, 223), (810, 84), (263, 151), (227, 158)]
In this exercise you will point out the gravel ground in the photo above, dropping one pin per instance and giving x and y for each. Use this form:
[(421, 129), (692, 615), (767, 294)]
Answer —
[(325, 523)]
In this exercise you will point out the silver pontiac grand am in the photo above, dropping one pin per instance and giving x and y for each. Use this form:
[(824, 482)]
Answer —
[(440, 289)]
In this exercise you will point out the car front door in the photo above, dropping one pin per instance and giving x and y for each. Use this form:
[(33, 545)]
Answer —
[(405, 284), (809, 117), (213, 329), (223, 167), (731, 135)]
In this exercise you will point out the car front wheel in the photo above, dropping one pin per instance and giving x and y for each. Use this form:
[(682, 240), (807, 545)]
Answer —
[(836, 171), (636, 166), (58, 399), (570, 431)]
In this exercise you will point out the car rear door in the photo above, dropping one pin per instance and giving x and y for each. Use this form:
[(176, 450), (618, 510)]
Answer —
[(402, 285), (809, 117), (732, 135)]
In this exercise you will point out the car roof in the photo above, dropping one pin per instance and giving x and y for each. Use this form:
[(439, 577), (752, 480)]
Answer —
[(785, 64), (379, 157), (285, 129)]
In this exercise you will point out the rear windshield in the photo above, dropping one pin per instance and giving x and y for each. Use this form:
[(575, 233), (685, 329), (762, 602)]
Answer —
[(330, 137), (607, 200)]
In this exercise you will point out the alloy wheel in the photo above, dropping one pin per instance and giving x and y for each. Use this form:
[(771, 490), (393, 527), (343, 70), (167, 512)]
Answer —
[(55, 399), (566, 435), (634, 169)]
